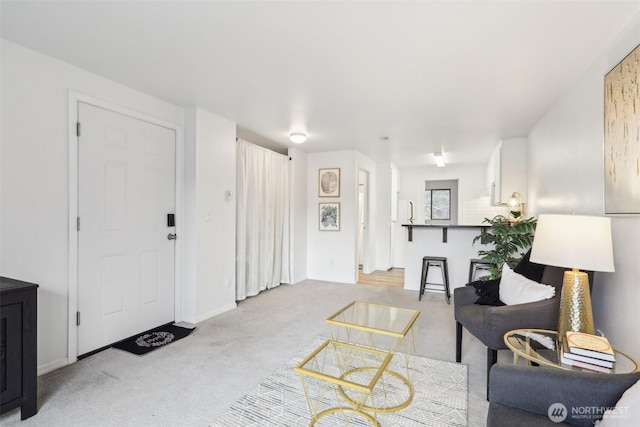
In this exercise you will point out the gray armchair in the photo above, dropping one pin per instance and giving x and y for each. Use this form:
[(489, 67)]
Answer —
[(521, 395), (489, 323)]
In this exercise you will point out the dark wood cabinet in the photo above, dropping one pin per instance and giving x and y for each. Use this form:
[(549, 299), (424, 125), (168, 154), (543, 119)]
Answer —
[(18, 346)]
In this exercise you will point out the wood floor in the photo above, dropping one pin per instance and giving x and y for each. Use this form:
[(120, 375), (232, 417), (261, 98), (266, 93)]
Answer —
[(393, 278)]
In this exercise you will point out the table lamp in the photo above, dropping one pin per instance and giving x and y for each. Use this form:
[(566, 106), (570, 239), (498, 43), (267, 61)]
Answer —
[(576, 242), (515, 205)]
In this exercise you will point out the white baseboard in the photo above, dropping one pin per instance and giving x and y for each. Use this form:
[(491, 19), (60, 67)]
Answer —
[(224, 309), (52, 366)]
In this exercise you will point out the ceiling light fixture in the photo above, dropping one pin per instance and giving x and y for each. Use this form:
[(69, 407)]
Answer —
[(298, 137), (439, 158)]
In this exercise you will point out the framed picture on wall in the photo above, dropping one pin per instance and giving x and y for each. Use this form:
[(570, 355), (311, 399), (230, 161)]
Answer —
[(329, 216), (329, 182), (621, 130)]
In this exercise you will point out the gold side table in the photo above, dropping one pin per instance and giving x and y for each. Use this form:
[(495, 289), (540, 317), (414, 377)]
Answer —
[(383, 327), (541, 346), (348, 372)]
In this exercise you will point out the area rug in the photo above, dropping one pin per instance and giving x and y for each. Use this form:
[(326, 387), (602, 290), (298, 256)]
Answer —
[(440, 398), (153, 339)]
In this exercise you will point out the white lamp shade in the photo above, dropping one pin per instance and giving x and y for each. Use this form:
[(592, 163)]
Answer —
[(573, 241)]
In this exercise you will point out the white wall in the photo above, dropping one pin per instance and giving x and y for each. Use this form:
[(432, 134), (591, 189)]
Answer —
[(394, 217), (566, 173), (35, 181), (210, 166), (298, 193), (384, 193), (189, 244), (332, 255)]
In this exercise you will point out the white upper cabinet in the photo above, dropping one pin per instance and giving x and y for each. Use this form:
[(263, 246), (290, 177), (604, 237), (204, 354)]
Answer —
[(507, 170)]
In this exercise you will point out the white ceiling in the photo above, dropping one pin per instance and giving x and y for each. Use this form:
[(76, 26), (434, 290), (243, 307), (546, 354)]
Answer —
[(429, 75)]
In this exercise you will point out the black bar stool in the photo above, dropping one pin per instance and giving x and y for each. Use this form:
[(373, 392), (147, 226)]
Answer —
[(478, 264), (440, 262)]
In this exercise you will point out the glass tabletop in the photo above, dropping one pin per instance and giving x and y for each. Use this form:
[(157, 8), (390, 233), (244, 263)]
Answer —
[(541, 346), (376, 318), (345, 364)]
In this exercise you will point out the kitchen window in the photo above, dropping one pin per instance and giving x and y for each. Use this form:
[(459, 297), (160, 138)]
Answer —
[(441, 202)]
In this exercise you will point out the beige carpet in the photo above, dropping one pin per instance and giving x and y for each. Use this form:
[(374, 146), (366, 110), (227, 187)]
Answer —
[(229, 355), (440, 398)]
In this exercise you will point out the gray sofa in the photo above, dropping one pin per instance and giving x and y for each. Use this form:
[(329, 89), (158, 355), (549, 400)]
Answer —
[(521, 395)]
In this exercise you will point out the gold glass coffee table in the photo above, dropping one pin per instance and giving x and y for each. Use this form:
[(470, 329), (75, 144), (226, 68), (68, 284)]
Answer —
[(541, 346), (382, 327), (336, 373)]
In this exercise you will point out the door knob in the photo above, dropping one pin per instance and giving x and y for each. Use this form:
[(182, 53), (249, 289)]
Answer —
[(171, 236)]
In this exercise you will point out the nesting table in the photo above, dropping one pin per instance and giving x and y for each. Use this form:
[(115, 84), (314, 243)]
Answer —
[(346, 372), (354, 365)]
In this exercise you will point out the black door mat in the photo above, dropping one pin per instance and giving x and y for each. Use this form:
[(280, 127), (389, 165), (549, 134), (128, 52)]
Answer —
[(153, 339)]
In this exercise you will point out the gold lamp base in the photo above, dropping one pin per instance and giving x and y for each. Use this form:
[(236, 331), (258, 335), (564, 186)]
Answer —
[(575, 304)]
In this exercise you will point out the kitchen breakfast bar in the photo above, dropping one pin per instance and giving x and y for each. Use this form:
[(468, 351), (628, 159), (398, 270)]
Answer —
[(452, 241)]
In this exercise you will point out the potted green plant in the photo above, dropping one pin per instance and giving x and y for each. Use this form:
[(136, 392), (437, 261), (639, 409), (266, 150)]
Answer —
[(507, 239)]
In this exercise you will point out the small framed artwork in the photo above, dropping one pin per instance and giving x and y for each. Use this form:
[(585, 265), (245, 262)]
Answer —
[(329, 182), (329, 215)]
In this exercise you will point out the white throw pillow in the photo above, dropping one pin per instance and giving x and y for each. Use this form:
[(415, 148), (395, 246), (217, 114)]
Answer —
[(517, 289), (626, 412)]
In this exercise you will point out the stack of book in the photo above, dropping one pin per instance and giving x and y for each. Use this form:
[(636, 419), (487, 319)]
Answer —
[(589, 352)]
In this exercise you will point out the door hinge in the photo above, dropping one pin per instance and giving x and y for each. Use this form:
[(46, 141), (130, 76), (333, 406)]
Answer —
[(77, 318), (78, 128), (78, 223)]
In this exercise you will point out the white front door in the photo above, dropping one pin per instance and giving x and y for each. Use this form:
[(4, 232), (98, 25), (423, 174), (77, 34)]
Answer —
[(125, 259)]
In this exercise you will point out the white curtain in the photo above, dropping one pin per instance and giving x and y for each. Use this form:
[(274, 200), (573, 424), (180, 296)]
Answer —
[(262, 223)]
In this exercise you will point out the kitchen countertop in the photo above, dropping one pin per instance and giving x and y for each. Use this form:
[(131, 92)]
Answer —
[(444, 227)]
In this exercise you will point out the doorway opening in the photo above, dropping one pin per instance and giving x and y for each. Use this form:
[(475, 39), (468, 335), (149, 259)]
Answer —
[(363, 263), (367, 274)]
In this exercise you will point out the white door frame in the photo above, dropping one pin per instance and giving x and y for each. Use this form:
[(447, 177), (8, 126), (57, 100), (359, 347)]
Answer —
[(367, 267), (74, 98)]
